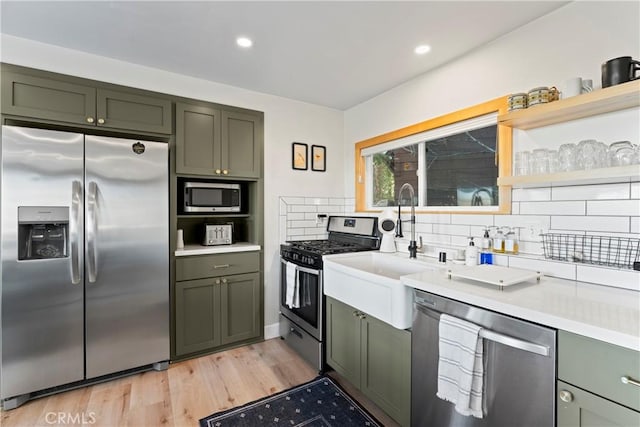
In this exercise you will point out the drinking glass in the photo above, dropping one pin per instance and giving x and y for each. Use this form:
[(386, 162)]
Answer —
[(521, 163), (588, 154), (554, 161), (567, 157), (540, 161), (621, 153)]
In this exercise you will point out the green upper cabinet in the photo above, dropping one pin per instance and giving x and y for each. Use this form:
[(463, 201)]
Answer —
[(215, 142), (241, 144), (68, 102)]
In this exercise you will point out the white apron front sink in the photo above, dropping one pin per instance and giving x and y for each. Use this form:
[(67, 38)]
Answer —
[(370, 282)]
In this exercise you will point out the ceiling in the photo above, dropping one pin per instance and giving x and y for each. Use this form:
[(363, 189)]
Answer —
[(332, 53)]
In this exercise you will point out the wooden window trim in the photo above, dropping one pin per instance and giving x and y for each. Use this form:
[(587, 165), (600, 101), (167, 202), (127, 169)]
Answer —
[(504, 152)]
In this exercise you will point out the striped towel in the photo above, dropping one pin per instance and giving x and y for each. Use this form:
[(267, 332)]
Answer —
[(460, 370)]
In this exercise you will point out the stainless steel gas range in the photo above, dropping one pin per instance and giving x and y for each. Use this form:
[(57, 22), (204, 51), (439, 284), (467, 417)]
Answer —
[(301, 282)]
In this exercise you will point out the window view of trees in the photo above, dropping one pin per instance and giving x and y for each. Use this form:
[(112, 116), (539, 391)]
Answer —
[(391, 169)]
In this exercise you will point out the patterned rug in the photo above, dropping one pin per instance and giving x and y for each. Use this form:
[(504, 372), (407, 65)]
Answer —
[(318, 403)]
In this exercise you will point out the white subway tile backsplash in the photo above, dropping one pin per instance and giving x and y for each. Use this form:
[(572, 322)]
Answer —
[(618, 207), (291, 232), (434, 218), (531, 194), (548, 268), (552, 208), (301, 224), (333, 201), (302, 208), (316, 201), (591, 192), (522, 221), (293, 200), (456, 230), (515, 208), (615, 224), (424, 228), (635, 190), (532, 248), (635, 225), (501, 260), (462, 241), (485, 220), (331, 209), (628, 279)]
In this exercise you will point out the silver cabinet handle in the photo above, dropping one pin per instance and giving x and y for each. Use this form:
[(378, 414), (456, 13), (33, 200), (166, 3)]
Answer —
[(514, 342), (100, 121), (222, 266), (565, 396), (628, 380), (76, 190), (92, 232)]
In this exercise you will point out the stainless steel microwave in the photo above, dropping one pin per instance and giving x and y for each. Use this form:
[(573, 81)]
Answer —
[(212, 197)]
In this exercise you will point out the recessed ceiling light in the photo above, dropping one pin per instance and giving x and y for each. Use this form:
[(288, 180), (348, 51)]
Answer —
[(244, 42), (422, 49)]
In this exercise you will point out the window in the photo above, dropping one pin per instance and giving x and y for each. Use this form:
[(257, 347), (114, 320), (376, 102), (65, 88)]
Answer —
[(452, 162)]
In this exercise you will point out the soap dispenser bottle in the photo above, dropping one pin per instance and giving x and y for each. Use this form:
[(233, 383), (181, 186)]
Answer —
[(498, 242), (486, 241), (471, 255), (511, 242)]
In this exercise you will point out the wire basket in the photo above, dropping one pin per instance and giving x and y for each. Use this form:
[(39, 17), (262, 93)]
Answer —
[(618, 252)]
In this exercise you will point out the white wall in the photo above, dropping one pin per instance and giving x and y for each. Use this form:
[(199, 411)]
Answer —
[(286, 121), (572, 41)]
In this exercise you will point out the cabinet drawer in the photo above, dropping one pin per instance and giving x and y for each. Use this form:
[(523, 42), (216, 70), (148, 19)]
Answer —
[(598, 367), (200, 266)]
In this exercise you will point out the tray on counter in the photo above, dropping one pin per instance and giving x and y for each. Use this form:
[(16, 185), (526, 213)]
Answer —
[(493, 274)]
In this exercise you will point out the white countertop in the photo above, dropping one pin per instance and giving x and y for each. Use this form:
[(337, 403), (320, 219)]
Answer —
[(219, 249), (601, 312)]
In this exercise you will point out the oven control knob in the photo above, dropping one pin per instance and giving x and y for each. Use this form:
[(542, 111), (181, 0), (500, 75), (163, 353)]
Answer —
[(566, 396)]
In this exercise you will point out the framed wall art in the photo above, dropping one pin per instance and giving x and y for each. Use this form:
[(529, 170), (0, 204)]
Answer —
[(318, 158), (299, 156)]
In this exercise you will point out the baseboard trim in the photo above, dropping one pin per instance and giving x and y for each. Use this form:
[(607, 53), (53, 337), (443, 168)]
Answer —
[(271, 331)]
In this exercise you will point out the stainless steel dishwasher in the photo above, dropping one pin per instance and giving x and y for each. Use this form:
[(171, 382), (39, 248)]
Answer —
[(519, 368)]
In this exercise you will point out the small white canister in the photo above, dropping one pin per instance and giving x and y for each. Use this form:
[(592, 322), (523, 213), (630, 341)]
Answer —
[(180, 240)]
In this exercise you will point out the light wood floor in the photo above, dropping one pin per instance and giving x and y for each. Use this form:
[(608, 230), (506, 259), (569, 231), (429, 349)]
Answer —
[(181, 395)]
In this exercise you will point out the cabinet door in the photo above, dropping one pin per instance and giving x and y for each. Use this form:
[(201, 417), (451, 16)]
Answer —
[(343, 340), (133, 112), (588, 410), (197, 140), (197, 315), (241, 144), (47, 99), (386, 368), (240, 307)]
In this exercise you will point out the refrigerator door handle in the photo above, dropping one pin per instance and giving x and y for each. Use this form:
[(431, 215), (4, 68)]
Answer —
[(92, 231), (76, 191)]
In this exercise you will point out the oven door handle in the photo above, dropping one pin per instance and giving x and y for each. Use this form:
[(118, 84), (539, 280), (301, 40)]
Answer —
[(303, 269)]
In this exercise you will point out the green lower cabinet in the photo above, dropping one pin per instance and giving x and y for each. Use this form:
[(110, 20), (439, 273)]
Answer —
[(197, 317), (240, 307), (386, 368), (217, 311), (579, 408), (373, 356)]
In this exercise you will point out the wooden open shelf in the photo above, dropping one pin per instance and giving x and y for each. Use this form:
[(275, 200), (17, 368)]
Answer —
[(592, 176), (614, 98)]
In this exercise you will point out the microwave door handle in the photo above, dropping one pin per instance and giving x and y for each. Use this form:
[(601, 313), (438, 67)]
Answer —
[(76, 190), (92, 232)]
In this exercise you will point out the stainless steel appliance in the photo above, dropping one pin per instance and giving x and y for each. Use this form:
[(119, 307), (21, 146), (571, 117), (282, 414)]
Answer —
[(218, 234), (519, 368), (84, 250), (212, 197), (302, 326)]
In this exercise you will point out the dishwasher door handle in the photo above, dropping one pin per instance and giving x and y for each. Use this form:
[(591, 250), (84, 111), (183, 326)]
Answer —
[(490, 335)]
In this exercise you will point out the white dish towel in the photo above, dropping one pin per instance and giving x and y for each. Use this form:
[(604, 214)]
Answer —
[(293, 286), (460, 365)]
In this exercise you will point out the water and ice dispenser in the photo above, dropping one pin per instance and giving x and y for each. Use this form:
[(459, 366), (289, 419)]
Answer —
[(43, 232)]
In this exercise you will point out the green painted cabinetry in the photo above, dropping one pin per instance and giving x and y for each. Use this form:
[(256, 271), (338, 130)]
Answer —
[(219, 310), (373, 356), (591, 390), (74, 101), (216, 142)]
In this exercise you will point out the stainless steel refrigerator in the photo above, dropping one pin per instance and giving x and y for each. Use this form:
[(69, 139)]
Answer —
[(85, 258)]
